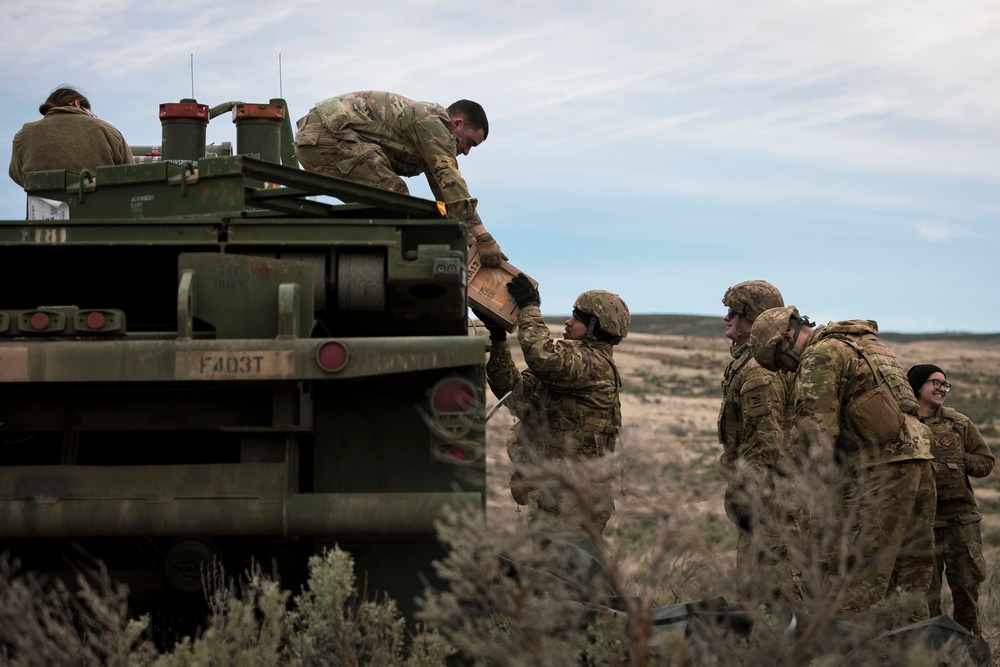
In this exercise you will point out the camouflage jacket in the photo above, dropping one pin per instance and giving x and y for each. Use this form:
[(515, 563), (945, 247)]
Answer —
[(752, 413), (566, 402), (959, 452), (66, 138), (415, 137), (833, 372)]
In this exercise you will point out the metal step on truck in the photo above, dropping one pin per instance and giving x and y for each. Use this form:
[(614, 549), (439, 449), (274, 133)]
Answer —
[(228, 358)]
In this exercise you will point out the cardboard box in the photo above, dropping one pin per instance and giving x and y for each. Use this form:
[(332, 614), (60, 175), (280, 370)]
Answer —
[(488, 290)]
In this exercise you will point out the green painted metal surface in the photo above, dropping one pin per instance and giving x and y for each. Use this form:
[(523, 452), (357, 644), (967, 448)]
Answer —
[(187, 358)]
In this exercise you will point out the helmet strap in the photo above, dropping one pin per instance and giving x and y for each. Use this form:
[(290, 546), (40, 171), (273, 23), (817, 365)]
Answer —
[(589, 336), (790, 350)]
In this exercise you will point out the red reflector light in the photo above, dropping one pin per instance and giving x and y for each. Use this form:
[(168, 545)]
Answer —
[(39, 321), (453, 396), (332, 356), (96, 320)]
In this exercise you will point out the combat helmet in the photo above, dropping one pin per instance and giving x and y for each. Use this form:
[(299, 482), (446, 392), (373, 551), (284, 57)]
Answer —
[(605, 309), (769, 330), (752, 297)]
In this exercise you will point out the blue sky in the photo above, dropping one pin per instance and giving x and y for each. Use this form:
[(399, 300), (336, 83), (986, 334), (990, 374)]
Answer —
[(848, 151)]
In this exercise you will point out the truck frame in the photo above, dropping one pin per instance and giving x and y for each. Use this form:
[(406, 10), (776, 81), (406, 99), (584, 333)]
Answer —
[(229, 359)]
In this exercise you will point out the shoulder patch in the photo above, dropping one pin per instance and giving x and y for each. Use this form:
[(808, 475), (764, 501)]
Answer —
[(756, 403)]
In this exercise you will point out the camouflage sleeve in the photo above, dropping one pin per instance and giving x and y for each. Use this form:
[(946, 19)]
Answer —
[(979, 459), (436, 144), (762, 395), (501, 373), (564, 365), (819, 383), (503, 377)]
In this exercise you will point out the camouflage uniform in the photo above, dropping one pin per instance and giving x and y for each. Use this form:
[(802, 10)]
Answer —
[(892, 486), (751, 419), (751, 416), (567, 407), (959, 452), (750, 429), (67, 138), (373, 138)]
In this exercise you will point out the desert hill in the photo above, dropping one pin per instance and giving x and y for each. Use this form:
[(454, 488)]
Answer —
[(708, 326)]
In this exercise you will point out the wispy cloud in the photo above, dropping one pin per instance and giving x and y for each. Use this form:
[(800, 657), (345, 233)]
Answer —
[(707, 129), (934, 231)]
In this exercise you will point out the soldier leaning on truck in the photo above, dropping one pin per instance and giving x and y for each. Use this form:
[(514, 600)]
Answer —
[(566, 404), (69, 136), (959, 452), (374, 137)]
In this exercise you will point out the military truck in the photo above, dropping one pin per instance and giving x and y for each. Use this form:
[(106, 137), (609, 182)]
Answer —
[(228, 358)]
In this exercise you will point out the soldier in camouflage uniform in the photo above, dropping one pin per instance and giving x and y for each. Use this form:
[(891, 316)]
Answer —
[(750, 430), (566, 404), (852, 402), (959, 453), (373, 138)]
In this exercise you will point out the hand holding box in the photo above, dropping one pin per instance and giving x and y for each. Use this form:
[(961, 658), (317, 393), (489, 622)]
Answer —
[(488, 289)]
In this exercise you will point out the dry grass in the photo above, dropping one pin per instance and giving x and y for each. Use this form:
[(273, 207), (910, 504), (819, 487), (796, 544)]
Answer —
[(670, 402), (668, 542)]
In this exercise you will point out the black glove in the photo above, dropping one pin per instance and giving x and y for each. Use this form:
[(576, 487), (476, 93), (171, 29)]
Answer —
[(738, 510), (524, 293), (518, 489), (497, 332)]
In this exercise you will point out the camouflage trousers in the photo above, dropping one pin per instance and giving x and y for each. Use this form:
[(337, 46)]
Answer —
[(891, 543), (551, 512), (763, 571), (958, 554), (344, 155)]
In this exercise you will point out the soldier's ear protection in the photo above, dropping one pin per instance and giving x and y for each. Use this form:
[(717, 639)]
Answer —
[(590, 320), (592, 325)]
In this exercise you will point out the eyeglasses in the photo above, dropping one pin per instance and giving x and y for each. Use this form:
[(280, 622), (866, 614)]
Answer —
[(732, 312), (941, 383)]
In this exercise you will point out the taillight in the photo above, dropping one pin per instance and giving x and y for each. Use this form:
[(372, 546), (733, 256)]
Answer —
[(332, 356), (453, 396), (455, 421), (102, 321), (62, 322), (42, 321), (458, 453)]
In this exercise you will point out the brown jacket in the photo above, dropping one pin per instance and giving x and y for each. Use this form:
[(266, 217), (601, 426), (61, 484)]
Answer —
[(66, 138)]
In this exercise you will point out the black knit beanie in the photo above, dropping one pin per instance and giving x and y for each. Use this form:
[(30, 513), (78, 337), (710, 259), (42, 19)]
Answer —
[(917, 375)]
